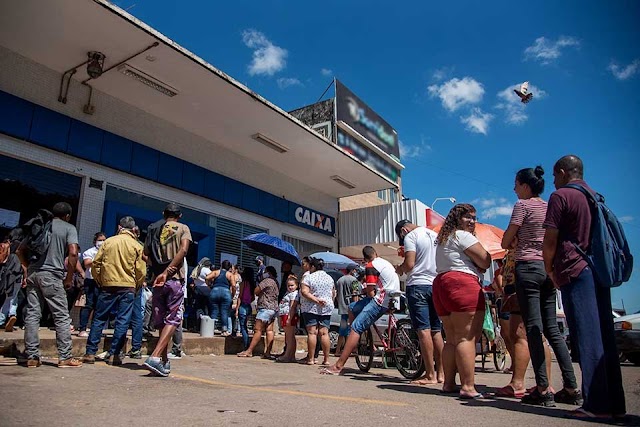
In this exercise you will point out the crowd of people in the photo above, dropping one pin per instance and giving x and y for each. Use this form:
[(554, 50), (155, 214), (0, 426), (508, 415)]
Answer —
[(444, 295)]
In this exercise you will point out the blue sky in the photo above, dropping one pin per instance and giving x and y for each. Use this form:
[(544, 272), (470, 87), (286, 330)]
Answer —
[(442, 75)]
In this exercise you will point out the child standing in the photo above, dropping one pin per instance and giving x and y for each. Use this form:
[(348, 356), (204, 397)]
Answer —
[(289, 319)]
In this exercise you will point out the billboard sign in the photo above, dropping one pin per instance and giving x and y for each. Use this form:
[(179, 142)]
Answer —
[(351, 110), (366, 155)]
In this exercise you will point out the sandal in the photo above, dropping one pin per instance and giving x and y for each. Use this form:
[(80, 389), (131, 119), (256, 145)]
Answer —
[(244, 354), (509, 391), (477, 396), (327, 371)]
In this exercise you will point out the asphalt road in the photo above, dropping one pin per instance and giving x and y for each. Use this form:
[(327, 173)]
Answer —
[(226, 390)]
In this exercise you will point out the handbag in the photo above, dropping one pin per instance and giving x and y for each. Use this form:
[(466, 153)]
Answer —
[(488, 326)]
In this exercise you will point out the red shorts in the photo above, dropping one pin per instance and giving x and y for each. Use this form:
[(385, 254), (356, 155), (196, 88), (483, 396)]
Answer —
[(455, 292), (284, 319)]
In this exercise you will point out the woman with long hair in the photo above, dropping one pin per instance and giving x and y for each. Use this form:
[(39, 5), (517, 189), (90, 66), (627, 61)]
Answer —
[(535, 290), (247, 288), (267, 292), (457, 295), (223, 286)]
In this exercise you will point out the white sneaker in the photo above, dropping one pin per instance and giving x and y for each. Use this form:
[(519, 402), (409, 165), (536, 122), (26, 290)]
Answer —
[(83, 334), (174, 356), (103, 356)]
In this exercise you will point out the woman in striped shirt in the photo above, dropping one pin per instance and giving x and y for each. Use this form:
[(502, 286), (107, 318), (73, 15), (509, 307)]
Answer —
[(535, 290)]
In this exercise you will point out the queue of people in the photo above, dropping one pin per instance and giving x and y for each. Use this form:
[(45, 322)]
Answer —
[(444, 294)]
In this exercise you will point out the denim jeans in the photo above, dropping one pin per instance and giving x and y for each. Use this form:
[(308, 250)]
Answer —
[(10, 306), (588, 309), (45, 287), (537, 298), (421, 309), (136, 322), (244, 311), (123, 302), (91, 292), (366, 312), (219, 305)]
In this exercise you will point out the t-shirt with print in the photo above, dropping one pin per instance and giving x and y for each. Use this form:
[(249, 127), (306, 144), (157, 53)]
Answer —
[(569, 213), (529, 216), (422, 241), (382, 274), (63, 234), (171, 236), (89, 254), (345, 287), (268, 298), (450, 256), (321, 286), (285, 303)]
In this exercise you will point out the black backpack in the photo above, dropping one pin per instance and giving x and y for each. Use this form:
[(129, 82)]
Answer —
[(37, 234), (152, 244)]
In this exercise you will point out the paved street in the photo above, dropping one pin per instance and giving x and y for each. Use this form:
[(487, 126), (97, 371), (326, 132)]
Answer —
[(226, 390)]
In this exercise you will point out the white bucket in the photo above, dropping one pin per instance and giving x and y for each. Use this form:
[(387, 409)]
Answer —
[(207, 325)]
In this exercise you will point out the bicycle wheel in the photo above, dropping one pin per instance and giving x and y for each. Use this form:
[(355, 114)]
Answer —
[(484, 348), (406, 352), (499, 353), (364, 351)]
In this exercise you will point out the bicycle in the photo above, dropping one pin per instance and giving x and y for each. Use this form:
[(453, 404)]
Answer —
[(496, 347), (398, 340)]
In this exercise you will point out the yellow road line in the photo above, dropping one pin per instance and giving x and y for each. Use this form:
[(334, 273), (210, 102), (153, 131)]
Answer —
[(291, 392)]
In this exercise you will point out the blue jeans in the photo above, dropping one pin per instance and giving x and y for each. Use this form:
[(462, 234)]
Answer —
[(421, 309), (366, 312), (588, 309), (219, 305), (10, 306), (91, 292), (123, 303), (244, 311), (136, 322)]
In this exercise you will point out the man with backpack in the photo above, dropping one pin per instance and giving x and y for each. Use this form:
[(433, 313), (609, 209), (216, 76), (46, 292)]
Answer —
[(43, 252), (166, 246), (572, 217)]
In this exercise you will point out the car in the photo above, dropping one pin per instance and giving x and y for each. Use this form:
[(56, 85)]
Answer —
[(627, 333)]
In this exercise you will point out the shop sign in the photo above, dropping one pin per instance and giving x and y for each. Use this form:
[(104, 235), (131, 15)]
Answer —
[(351, 110), (308, 218), (366, 155)]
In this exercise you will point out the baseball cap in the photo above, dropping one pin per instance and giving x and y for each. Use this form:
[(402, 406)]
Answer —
[(259, 258), (399, 226)]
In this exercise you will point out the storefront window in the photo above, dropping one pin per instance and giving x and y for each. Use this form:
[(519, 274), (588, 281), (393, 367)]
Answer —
[(26, 187)]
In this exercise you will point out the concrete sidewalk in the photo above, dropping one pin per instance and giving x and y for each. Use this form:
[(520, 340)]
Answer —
[(12, 343)]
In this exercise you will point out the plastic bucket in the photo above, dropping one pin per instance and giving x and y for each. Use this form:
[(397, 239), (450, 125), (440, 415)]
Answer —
[(207, 325)]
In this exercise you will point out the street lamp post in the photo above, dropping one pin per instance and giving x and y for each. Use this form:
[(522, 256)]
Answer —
[(451, 199)]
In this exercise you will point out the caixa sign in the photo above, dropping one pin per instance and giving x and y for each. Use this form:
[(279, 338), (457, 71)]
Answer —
[(313, 220)]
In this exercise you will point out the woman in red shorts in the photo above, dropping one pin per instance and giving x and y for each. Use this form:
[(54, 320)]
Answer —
[(460, 263)]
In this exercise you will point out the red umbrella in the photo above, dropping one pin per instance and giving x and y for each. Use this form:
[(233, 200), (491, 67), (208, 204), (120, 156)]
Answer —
[(490, 236)]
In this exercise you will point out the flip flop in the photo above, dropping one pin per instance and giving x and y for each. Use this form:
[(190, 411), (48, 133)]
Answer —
[(583, 414), (243, 354), (509, 391), (477, 396), (325, 364), (327, 371)]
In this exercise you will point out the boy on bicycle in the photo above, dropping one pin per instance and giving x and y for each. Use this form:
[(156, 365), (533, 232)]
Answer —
[(381, 281)]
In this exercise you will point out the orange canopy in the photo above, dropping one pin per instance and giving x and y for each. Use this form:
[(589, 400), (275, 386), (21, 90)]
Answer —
[(489, 235)]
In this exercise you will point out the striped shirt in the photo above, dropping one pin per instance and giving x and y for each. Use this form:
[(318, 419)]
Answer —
[(529, 214)]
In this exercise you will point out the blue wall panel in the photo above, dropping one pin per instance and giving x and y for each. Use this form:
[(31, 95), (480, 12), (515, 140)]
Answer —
[(85, 141), (116, 152), (193, 179), (214, 186), (282, 209), (15, 115), (144, 161), (233, 192), (251, 199), (267, 204), (50, 129), (170, 170)]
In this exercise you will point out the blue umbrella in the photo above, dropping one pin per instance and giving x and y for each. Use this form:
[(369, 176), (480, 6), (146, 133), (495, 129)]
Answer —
[(334, 260), (273, 247)]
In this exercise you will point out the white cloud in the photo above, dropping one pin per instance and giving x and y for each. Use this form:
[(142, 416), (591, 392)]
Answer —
[(515, 111), (623, 73), (491, 208), (413, 151), (326, 72), (456, 93), (285, 82), (441, 73), (268, 58), (626, 219), (547, 51), (477, 121)]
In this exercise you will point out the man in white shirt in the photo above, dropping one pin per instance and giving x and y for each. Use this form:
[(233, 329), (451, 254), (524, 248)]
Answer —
[(381, 281), (420, 266)]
